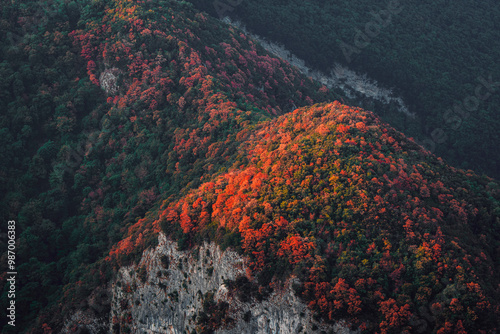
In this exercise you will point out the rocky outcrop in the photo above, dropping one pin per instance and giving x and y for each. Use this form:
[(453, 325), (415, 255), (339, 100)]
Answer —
[(353, 85), (167, 292)]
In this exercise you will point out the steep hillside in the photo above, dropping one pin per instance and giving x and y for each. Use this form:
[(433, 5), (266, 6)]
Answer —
[(377, 230), (441, 56), (171, 291), (122, 119), (107, 107)]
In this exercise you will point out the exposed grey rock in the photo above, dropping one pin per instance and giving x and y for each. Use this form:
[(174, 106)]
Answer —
[(164, 294), (354, 85), (108, 80)]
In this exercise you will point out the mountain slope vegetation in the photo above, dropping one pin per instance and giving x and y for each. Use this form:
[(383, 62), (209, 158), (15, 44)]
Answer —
[(379, 231), (107, 107), (122, 118), (434, 53)]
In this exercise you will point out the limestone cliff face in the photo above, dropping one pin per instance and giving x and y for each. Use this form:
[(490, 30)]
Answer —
[(168, 290)]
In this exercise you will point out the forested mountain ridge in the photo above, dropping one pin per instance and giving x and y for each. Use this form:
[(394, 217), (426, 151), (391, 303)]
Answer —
[(124, 118), (379, 231), (107, 107), (433, 53)]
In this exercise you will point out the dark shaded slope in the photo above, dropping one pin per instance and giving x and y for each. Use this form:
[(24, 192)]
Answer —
[(124, 116), (434, 53), (108, 107)]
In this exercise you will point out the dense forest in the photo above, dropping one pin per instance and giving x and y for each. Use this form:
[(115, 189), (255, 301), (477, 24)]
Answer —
[(124, 118), (379, 231), (441, 56), (107, 108)]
